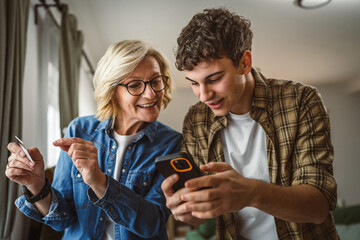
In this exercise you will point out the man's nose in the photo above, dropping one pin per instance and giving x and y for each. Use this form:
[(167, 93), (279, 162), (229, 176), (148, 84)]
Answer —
[(206, 93)]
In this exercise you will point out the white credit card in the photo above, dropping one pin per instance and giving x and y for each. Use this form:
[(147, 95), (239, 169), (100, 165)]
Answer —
[(21, 144)]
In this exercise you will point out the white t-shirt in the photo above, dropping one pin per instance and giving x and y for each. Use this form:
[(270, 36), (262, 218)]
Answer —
[(122, 142), (244, 146)]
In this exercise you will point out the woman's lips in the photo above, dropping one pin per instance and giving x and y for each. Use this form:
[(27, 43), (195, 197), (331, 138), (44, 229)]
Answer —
[(148, 105)]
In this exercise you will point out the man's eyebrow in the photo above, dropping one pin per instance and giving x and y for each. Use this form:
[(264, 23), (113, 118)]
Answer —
[(207, 77)]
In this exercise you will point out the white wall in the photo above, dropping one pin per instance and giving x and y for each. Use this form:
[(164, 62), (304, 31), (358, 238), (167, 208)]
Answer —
[(87, 105), (174, 114)]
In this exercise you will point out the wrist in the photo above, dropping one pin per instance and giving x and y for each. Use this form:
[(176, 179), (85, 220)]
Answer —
[(43, 193), (258, 188), (37, 187), (100, 187)]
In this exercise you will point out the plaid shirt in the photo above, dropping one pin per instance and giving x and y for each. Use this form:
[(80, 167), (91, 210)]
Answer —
[(299, 147)]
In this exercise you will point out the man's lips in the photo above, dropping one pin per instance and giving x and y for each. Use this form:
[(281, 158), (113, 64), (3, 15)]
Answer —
[(215, 104)]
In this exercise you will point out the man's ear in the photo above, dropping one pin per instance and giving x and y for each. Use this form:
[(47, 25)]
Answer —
[(246, 62)]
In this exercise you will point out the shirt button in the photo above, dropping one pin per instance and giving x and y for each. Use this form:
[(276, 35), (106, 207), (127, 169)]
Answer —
[(109, 170), (145, 183), (113, 147), (79, 175), (123, 170), (101, 219), (129, 147)]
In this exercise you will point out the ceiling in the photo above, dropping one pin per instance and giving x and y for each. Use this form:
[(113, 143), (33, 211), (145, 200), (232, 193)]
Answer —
[(317, 46)]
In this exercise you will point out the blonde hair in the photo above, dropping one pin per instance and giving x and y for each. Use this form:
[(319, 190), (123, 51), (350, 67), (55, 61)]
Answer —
[(119, 61)]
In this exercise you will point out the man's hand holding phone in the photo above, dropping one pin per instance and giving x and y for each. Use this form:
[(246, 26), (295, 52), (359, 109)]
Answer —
[(177, 169), (207, 196)]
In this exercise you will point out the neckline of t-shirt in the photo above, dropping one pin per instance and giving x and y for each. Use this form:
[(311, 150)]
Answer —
[(245, 116), (124, 137)]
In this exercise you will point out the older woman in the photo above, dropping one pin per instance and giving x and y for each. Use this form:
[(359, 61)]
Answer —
[(105, 183)]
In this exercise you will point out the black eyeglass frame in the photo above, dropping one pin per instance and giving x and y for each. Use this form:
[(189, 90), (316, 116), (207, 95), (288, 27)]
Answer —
[(145, 83)]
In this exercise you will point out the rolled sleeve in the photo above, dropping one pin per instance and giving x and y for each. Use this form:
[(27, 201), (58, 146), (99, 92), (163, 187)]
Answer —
[(314, 154), (320, 179), (57, 217)]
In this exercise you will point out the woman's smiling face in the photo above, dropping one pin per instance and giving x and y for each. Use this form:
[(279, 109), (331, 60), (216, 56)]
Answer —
[(138, 111)]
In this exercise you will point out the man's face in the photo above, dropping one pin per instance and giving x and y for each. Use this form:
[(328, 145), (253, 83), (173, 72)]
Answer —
[(220, 85)]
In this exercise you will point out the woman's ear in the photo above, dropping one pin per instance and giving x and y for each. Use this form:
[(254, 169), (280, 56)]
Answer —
[(114, 98), (246, 62)]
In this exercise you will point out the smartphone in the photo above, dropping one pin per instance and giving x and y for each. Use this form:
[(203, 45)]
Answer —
[(179, 163), (22, 145)]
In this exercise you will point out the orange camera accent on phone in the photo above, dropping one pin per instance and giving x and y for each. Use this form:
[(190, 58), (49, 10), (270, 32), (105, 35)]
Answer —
[(181, 170)]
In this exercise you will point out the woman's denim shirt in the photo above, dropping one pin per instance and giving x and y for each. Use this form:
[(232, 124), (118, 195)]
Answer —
[(136, 203)]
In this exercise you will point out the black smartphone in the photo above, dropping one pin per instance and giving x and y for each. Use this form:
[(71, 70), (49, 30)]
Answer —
[(180, 163)]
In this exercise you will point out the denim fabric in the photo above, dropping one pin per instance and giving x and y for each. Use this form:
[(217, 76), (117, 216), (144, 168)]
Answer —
[(135, 203)]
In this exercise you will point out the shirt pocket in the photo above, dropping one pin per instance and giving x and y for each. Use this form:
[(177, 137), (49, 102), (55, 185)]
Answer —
[(140, 181), (80, 188)]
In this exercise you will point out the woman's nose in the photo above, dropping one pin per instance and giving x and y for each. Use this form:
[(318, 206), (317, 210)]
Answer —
[(149, 92)]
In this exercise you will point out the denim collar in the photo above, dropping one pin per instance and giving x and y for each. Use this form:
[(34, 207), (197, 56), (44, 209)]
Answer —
[(149, 131)]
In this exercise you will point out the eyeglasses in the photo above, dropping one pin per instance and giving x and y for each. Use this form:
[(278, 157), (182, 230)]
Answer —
[(137, 87)]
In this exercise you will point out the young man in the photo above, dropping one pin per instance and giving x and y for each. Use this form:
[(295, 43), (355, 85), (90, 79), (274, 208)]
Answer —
[(265, 141)]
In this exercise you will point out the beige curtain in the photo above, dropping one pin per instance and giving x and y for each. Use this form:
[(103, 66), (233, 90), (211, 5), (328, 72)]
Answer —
[(13, 26), (71, 41)]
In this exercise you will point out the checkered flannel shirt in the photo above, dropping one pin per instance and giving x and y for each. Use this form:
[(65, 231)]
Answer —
[(299, 147)]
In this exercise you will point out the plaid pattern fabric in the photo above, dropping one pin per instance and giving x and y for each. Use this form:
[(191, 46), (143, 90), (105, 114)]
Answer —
[(299, 147)]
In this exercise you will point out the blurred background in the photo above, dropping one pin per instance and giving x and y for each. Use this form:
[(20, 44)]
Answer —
[(318, 47)]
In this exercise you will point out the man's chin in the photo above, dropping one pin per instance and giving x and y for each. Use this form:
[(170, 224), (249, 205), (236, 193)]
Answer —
[(219, 112)]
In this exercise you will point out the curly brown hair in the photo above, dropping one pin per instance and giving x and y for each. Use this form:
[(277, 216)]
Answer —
[(213, 34)]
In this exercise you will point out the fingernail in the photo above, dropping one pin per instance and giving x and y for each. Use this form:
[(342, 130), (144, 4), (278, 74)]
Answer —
[(183, 198), (56, 142), (22, 154), (174, 177), (32, 164)]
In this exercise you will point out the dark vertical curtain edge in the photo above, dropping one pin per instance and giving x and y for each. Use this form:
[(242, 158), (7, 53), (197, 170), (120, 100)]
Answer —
[(71, 41), (14, 19)]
